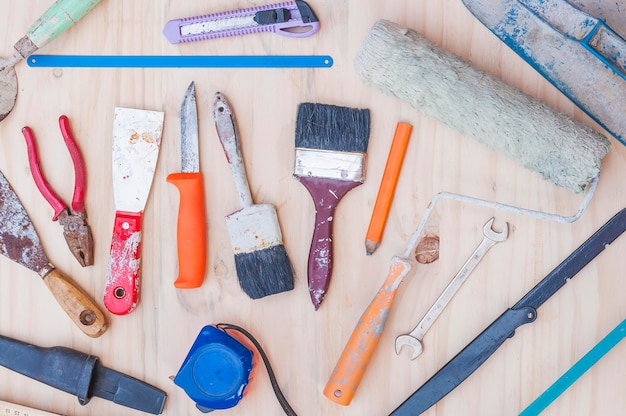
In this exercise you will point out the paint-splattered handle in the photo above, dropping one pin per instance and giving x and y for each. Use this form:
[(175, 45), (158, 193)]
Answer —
[(320, 265), (326, 194), (351, 366), (121, 292), (58, 18)]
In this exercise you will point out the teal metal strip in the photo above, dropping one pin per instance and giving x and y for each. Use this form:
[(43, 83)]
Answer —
[(174, 61), (577, 370)]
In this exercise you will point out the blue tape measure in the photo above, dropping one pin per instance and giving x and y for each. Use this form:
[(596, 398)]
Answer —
[(216, 371)]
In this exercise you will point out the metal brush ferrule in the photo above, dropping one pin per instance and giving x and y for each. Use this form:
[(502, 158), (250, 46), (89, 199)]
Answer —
[(330, 164)]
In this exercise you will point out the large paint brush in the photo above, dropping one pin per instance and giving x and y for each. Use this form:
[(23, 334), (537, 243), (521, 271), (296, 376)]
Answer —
[(331, 146), (263, 267)]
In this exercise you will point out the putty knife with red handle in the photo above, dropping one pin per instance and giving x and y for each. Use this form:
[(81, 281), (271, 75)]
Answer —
[(136, 143)]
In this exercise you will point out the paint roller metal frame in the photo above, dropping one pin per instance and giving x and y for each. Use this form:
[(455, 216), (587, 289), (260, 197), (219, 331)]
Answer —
[(541, 215)]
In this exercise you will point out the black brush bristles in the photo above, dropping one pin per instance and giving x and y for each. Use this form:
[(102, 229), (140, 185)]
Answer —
[(330, 127), (264, 272)]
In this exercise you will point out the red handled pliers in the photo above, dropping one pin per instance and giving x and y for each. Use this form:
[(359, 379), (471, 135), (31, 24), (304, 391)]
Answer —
[(75, 228)]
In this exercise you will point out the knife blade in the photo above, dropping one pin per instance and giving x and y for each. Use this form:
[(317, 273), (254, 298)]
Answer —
[(136, 143), (524, 311), (191, 225), (19, 242), (579, 54)]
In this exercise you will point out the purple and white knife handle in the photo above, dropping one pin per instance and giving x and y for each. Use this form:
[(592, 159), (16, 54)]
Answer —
[(287, 19)]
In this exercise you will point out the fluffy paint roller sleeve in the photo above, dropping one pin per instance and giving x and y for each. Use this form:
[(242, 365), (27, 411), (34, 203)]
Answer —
[(400, 62)]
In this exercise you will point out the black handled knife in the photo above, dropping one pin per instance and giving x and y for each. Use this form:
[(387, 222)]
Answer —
[(79, 374), (484, 345)]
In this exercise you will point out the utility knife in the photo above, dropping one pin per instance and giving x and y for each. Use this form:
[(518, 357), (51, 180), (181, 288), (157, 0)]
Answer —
[(293, 19), (525, 311), (191, 228)]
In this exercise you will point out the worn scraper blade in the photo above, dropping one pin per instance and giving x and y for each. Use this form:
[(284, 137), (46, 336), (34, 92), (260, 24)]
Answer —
[(18, 239)]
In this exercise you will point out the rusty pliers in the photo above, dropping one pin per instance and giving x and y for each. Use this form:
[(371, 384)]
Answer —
[(74, 221)]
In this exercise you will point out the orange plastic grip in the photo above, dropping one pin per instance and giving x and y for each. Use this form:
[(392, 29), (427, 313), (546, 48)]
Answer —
[(387, 186), (191, 229), (356, 355)]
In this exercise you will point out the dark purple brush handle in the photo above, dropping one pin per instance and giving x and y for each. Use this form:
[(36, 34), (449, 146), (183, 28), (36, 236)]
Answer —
[(326, 194)]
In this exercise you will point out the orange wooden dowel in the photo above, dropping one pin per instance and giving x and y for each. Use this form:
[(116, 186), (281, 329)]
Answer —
[(387, 187)]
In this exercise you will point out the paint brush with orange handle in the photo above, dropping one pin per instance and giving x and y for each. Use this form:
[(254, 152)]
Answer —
[(357, 353), (191, 227), (387, 187)]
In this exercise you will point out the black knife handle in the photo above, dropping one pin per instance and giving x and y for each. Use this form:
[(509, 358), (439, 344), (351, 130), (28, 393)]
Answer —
[(465, 362)]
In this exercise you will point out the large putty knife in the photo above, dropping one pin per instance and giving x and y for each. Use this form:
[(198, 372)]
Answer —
[(136, 143), (578, 53), (19, 242)]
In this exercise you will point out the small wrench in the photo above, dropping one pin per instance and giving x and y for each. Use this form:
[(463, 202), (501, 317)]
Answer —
[(414, 338)]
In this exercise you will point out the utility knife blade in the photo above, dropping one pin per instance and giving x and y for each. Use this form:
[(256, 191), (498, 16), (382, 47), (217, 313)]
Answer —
[(189, 153), (484, 345), (292, 19)]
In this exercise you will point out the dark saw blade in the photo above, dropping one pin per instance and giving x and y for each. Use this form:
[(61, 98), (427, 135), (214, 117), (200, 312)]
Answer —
[(18, 239)]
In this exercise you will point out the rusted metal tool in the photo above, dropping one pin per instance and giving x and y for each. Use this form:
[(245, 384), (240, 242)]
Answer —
[(19, 242), (414, 338), (74, 221)]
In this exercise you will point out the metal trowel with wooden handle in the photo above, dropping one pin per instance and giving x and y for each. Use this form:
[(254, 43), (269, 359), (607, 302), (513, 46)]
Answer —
[(19, 242), (60, 16), (136, 143)]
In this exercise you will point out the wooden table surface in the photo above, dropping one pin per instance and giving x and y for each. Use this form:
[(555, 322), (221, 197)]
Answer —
[(303, 345)]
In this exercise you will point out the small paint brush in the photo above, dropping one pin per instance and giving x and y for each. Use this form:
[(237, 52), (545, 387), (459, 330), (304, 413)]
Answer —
[(331, 146), (263, 267)]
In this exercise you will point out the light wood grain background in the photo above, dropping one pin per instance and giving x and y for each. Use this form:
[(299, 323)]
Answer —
[(304, 345)]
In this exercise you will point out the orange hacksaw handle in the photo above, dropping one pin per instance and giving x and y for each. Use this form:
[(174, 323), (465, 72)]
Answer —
[(356, 355), (191, 229)]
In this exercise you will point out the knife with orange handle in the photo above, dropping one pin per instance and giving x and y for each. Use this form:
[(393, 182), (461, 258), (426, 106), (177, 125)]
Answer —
[(356, 355), (191, 226)]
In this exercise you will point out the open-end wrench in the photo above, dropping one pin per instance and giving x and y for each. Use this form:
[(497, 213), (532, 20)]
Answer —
[(414, 338)]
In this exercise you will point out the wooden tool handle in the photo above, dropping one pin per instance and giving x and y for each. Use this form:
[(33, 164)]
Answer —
[(350, 368), (228, 134), (76, 304), (191, 229), (387, 186), (121, 292), (60, 16)]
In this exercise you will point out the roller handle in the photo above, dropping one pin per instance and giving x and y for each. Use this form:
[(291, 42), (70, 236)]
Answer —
[(58, 18), (349, 370), (326, 194), (77, 304), (191, 229), (121, 292)]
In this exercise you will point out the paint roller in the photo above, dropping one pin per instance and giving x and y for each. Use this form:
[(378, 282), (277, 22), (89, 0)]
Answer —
[(402, 63)]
